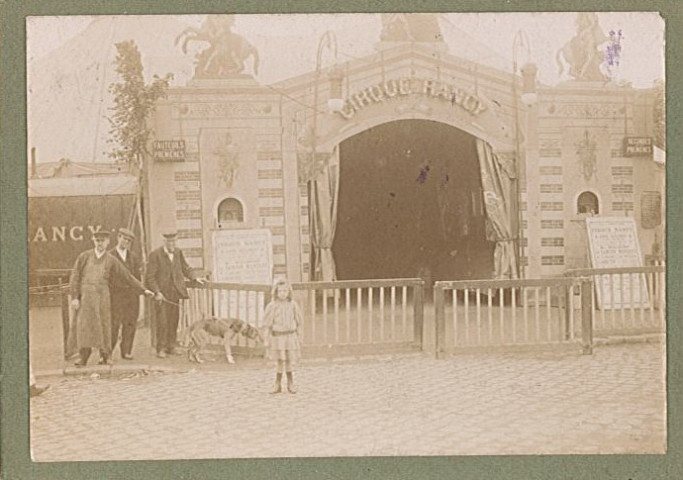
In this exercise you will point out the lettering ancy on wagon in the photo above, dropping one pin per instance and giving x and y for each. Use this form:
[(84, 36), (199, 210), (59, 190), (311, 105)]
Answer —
[(62, 233), (404, 86)]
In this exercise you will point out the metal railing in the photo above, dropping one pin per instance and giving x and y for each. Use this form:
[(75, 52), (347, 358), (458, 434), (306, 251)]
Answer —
[(481, 314), (45, 286)]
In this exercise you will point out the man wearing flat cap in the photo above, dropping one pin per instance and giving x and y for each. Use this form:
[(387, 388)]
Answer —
[(167, 270), (90, 280), (127, 304)]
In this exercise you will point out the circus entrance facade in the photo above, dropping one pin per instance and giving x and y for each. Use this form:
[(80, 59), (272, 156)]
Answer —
[(426, 165)]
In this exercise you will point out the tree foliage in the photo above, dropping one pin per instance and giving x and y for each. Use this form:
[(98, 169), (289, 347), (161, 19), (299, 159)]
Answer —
[(134, 102)]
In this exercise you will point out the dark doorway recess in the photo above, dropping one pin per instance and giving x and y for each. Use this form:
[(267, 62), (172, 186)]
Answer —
[(410, 204)]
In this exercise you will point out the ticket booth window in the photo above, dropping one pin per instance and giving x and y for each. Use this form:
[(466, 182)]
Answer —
[(230, 211), (587, 204)]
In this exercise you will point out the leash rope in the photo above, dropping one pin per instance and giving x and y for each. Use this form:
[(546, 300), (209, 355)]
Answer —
[(168, 301)]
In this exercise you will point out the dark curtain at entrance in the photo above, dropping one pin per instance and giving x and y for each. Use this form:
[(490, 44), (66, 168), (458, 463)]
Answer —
[(323, 197), (496, 179)]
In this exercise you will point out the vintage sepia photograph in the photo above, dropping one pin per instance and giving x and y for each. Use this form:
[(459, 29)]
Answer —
[(346, 235)]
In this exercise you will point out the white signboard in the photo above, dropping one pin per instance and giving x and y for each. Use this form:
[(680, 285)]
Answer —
[(244, 257), (613, 243)]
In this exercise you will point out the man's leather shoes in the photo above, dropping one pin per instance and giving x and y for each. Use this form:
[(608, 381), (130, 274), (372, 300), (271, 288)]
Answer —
[(174, 351), (127, 356), (161, 354)]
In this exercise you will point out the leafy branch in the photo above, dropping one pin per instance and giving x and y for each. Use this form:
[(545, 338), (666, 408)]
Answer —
[(134, 102)]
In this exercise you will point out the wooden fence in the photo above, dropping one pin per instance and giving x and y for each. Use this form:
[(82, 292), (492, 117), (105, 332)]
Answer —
[(226, 300), (626, 301), (363, 316), (384, 315), (490, 314)]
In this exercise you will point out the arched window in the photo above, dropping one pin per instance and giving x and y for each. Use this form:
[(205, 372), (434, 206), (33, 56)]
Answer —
[(587, 204), (230, 210)]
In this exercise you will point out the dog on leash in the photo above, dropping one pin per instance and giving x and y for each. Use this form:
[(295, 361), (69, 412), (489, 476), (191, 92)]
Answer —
[(200, 332)]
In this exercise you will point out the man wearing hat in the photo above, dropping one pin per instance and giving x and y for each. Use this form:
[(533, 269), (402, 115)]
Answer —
[(127, 304), (89, 284), (167, 270)]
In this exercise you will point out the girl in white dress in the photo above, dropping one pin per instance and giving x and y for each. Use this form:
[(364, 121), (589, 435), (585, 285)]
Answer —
[(283, 320)]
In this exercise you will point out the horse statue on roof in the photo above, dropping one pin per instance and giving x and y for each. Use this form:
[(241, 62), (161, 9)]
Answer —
[(410, 27), (581, 52), (227, 52)]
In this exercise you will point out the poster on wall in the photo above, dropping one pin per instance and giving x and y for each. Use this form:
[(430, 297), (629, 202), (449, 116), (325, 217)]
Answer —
[(613, 243), (243, 257)]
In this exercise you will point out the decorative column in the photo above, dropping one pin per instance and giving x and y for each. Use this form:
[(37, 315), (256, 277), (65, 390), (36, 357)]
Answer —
[(531, 222)]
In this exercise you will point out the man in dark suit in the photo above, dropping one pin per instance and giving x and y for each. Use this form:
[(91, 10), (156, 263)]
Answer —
[(127, 306), (167, 270)]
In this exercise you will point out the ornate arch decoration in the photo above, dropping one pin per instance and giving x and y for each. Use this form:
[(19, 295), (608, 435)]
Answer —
[(415, 99)]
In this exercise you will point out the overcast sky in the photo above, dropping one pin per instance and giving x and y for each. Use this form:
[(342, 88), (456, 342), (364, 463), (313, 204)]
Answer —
[(642, 59)]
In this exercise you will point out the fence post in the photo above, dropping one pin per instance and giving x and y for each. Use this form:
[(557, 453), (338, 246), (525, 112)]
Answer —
[(64, 291), (568, 306), (418, 314), (586, 316), (439, 321)]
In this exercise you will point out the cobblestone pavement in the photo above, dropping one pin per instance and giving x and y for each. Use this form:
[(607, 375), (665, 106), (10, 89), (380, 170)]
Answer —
[(610, 402)]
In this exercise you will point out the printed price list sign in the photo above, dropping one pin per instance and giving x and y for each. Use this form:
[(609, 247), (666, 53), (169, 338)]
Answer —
[(244, 257), (613, 243)]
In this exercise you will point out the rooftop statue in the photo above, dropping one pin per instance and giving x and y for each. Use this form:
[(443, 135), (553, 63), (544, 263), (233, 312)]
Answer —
[(227, 52), (410, 27), (581, 52)]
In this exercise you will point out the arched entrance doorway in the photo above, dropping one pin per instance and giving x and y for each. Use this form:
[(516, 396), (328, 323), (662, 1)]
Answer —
[(410, 204)]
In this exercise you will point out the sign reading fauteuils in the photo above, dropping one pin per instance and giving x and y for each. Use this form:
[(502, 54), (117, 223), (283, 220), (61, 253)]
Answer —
[(403, 86), (169, 150)]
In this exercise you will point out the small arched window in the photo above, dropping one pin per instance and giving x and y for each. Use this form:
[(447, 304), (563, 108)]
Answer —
[(587, 204), (230, 210)]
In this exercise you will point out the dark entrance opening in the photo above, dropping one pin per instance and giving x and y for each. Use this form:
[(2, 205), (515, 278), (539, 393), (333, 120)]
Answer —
[(410, 205)]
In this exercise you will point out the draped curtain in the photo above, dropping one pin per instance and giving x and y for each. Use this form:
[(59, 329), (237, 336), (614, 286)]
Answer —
[(497, 178), (323, 196)]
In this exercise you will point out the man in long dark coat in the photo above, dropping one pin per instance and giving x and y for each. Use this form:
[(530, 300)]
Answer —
[(127, 303), (167, 270), (91, 276)]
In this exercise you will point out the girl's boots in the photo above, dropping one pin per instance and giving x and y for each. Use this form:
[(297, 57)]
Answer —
[(278, 383), (290, 383)]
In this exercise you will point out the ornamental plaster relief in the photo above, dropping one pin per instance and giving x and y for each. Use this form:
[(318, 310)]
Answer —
[(588, 110), (223, 110)]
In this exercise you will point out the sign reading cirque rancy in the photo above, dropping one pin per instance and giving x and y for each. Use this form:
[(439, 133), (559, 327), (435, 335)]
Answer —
[(244, 257), (613, 243), (406, 86)]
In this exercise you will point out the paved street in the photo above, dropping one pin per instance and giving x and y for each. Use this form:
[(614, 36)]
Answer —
[(610, 402)]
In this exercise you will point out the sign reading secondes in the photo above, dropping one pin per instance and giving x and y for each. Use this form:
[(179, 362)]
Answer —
[(637, 146), (383, 91)]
